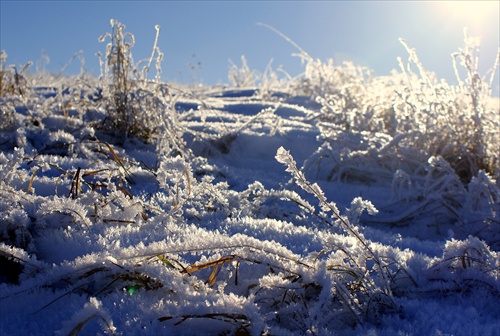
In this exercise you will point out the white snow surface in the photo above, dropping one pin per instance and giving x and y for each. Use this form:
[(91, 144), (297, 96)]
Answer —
[(245, 217)]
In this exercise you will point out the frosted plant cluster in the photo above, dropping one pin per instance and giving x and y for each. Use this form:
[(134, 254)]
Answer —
[(334, 203)]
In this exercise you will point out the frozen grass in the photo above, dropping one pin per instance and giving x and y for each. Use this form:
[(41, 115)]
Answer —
[(131, 206)]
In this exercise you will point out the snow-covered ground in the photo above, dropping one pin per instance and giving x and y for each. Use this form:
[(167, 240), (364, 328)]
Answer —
[(262, 210)]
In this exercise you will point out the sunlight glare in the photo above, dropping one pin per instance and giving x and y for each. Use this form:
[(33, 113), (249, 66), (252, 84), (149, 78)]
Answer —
[(475, 12)]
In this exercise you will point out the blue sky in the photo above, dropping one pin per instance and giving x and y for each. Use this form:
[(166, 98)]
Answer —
[(207, 34)]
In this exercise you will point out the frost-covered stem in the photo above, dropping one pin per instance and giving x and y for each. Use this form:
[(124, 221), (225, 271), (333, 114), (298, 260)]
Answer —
[(351, 306), (159, 58), (302, 53), (3, 77), (414, 57), (475, 85), (494, 70), (214, 248), (283, 156), (455, 68), (155, 50), (401, 65)]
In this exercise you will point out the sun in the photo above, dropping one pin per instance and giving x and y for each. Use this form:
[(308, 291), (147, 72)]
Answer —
[(474, 12)]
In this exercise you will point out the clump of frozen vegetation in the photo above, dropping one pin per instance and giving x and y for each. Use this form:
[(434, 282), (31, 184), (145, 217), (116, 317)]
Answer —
[(132, 206), (416, 111), (128, 95)]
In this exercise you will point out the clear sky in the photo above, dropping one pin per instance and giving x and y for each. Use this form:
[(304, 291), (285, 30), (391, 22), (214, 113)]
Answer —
[(207, 34)]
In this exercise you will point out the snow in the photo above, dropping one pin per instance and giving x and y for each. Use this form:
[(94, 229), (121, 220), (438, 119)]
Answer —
[(247, 210)]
